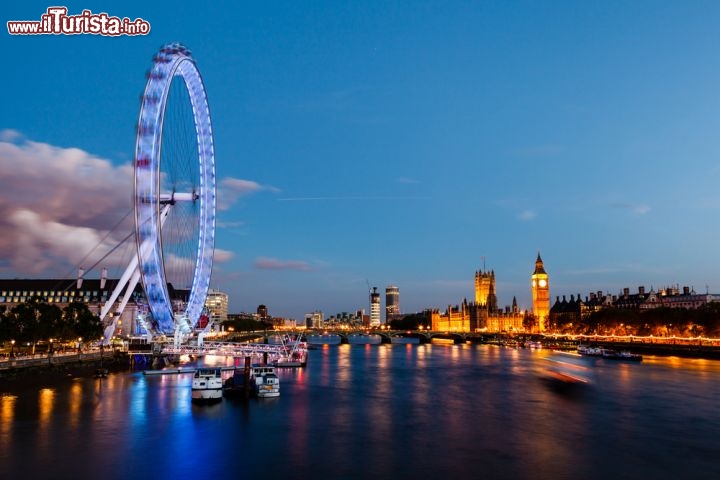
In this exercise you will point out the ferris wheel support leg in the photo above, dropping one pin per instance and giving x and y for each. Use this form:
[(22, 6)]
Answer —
[(110, 330), (131, 268)]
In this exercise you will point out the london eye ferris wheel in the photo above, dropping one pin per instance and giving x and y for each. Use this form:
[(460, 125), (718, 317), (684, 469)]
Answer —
[(174, 192)]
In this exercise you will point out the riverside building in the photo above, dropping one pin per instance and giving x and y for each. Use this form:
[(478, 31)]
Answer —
[(483, 315), (392, 302)]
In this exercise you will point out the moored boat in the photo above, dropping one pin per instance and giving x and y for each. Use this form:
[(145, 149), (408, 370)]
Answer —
[(207, 385), (621, 355), (295, 354), (168, 371), (264, 381)]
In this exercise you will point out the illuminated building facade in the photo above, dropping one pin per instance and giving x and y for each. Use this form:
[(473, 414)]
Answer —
[(392, 302), (374, 308), (217, 305), (485, 289), (314, 319), (540, 286), (481, 315)]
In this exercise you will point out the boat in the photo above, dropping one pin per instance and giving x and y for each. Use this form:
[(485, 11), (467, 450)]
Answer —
[(295, 354), (621, 355), (589, 351), (533, 345), (207, 385), (565, 372), (167, 371), (264, 381), (364, 339)]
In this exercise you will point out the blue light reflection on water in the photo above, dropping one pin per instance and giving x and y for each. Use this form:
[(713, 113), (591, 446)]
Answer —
[(400, 411)]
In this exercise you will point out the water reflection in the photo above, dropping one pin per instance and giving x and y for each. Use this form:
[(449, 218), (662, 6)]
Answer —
[(406, 411)]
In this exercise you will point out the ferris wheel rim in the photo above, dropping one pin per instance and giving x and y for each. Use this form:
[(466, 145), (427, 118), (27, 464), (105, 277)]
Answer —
[(173, 61)]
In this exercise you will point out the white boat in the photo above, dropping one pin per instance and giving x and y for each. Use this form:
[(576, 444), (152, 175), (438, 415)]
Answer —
[(364, 339), (264, 381), (207, 385), (589, 351)]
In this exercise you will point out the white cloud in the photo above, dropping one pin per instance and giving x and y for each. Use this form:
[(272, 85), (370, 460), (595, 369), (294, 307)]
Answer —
[(231, 189), (266, 263), (9, 135), (60, 207), (221, 255)]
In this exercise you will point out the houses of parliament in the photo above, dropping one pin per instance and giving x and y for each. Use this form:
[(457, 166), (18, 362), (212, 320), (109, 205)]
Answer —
[(483, 315)]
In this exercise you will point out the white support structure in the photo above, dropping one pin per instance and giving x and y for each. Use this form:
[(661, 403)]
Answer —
[(129, 279)]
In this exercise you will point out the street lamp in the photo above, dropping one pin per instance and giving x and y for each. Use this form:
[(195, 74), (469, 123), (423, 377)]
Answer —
[(51, 347), (12, 348), (79, 340)]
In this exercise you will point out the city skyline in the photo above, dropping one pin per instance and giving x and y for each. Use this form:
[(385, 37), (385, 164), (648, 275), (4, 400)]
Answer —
[(390, 144)]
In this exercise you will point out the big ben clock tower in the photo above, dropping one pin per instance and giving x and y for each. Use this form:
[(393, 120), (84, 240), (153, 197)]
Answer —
[(540, 294)]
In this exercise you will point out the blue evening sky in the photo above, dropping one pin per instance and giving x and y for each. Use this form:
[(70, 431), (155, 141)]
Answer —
[(402, 142)]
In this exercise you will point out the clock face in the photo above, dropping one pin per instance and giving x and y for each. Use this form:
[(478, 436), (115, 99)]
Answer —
[(542, 282), (533, 283)]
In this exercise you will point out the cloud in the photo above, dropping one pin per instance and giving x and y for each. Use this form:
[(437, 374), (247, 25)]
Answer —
[(38, 244), (221, 256), (58, 205), (231, 189), (638, 209), (61, 208), (9, 135), (266, 263), (527, 215)]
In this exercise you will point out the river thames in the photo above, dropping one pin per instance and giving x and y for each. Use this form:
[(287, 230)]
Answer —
[(388, 411)]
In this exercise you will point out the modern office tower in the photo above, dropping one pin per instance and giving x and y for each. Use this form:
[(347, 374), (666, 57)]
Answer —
[(314, 319), (540, 286), (392, 302), (374, 308), (217, 304)]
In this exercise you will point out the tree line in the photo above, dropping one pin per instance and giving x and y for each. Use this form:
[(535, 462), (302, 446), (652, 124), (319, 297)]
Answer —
[(679, 322), (35, 320)]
